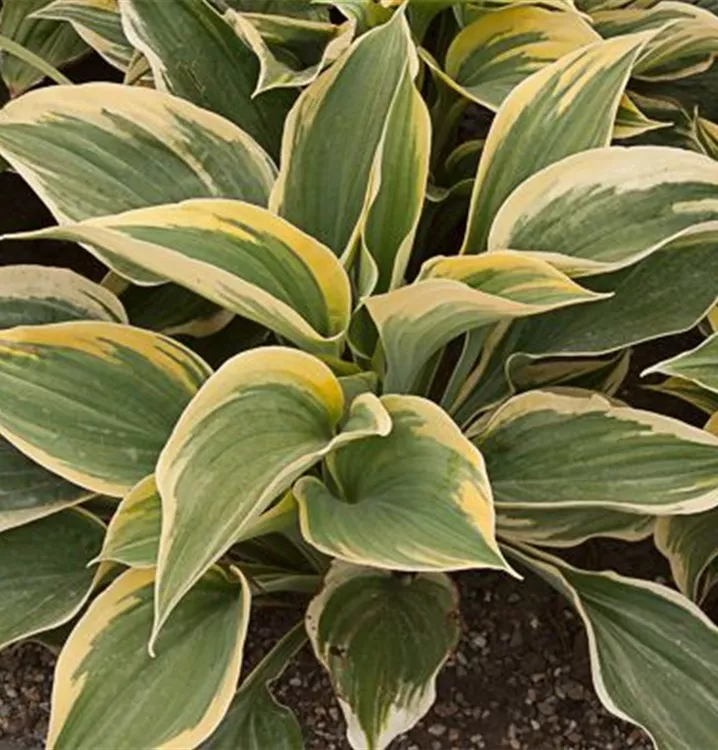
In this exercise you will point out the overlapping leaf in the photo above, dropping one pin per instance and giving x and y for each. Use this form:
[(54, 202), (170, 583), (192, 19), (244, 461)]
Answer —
[(383, 639), (240, 256), (699, 365), (113, 393), (418, 499), (274, 412), (98, 699), (553, 450)]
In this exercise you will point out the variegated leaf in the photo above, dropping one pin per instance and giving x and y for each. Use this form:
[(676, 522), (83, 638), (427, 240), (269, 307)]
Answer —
[(706, 133), (566, 107), (603, 209), (644, 639), (699, 365), (133, 535), (98, 22), (553, 450), (55, 42), (318, 192), (240, 256), (85, 150), (195, 54), (424, 484), (383, 639), (687, 390), (455, 295), (44, 573), (256, 720), (98, 700), (113, 393), (273, 411), (291, 52), (690, 545), (686, 42)]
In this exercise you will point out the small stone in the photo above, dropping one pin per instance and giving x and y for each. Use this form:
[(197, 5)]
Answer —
[(295, 682), (475, 739), (437, 730), (575, 691), (530, 696), (454, 735), (547, 707)]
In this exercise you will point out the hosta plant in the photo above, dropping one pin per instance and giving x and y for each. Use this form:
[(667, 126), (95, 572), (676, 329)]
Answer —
[(375, 273)]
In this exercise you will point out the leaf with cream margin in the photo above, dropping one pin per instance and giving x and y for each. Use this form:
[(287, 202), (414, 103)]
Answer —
[(566, 107), (56, 43), (423, 484), (398, 186), (111, 391), (601, 210), (273, 411), (690, 545), (644, 639), (98, 699), (44, 574), (98, 23), (195, 54), (686, 42), (556, 450), (687, 390), (275, 49), (256, 720), (85, 149), (240, 256), (568, 527), (458, 294), (321, 194), (383, 639), (699, 365)]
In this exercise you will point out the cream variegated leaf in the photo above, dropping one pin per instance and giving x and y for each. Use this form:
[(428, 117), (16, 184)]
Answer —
[(45, 578), (98, 700), (644, 639), (603, 209), (113, 392), (564, 108), (557, 450), (239, 256), (316, 191), (424, 484), (456, 295), (365, 617), (699, 365), (275, 412)]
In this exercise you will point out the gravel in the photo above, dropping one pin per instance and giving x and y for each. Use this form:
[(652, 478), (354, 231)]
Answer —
[(519, 679)]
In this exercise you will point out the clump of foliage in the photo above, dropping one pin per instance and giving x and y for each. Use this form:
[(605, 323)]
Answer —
[(377, 270)]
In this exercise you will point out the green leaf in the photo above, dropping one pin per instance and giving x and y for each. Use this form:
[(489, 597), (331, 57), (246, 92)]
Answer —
[(686, 42), (98, 23), (500, 49), (568, 527), (36, 295), (383, 639), (632, 122), (398, 185), (343, 113), (291, 52), (699, 365), (133, 535), (85, 150), (255, 720), (688, 391), (706, 132), (644, 640), (112, 392), (98, 699), (273, 411), (55, 42), (194, 53), (424, 484), (552, 450), (456, 295), (604, 209), (240, 256), (566, 107), (44, 573), (690, 546), (306, 9)]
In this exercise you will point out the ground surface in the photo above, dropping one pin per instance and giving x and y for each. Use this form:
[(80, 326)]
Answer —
[(520, 678)]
